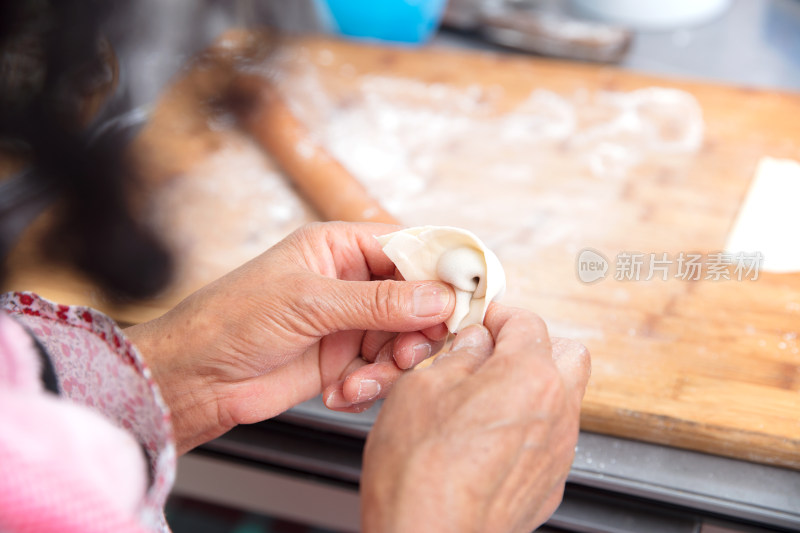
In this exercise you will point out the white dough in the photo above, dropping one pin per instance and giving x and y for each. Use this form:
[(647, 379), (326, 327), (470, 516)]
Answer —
[(452, 255)]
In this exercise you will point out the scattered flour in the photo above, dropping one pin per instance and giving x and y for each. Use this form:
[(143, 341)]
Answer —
[(226, 210)]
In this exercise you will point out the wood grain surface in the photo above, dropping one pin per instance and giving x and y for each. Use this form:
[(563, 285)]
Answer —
[(705, 365)]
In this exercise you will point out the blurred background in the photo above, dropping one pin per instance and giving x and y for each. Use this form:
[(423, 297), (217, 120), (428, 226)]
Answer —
[(754, 43)]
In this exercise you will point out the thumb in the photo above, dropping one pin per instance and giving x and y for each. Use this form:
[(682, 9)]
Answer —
[(573, 362), (385, 305), (471, 347)]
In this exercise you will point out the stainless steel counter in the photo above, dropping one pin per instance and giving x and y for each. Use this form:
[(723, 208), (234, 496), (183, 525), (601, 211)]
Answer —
[(615, 485), (756, 43)]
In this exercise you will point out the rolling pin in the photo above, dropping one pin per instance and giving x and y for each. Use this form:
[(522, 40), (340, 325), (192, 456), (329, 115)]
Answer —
[(329, 187)]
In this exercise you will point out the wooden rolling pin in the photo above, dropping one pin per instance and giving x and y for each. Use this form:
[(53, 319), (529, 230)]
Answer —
[(333, 191)]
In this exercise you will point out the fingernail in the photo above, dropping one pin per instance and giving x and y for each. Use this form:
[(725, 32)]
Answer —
[(471, 336), (336, 400), (420, 353), (368, 389), (430, 299)]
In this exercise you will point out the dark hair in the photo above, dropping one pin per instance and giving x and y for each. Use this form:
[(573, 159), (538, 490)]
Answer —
[(56, 73)]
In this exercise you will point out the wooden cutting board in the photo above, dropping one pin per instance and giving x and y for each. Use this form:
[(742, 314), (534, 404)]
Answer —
[(705, 365)]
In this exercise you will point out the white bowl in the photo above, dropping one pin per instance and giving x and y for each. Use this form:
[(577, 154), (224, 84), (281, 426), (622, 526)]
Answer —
[(653, 14)]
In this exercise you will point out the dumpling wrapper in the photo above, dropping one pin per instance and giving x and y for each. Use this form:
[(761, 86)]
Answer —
[(452, 255)]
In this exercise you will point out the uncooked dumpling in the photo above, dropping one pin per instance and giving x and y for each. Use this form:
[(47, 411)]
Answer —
[(452, 255)]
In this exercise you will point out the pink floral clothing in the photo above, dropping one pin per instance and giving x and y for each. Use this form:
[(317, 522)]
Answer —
[(74, 461)]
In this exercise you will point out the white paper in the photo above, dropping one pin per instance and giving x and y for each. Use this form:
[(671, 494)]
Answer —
[(769, 219)]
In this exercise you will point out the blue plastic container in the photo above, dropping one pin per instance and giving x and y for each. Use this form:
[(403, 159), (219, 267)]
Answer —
[(402, 21)]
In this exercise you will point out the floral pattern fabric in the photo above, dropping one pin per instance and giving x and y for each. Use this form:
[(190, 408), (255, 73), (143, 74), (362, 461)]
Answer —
[(98, 368)]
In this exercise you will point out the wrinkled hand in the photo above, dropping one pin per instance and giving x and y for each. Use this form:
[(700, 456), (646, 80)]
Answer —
[(481, 440), (318, 312)]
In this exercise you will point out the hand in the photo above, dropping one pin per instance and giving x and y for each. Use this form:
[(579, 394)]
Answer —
[(481, 440), (317, 312)]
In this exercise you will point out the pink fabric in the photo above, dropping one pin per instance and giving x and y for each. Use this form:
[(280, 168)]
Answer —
[(75, 462)]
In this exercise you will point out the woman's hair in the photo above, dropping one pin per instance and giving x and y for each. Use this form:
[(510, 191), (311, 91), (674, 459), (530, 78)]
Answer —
[(56, 75)]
